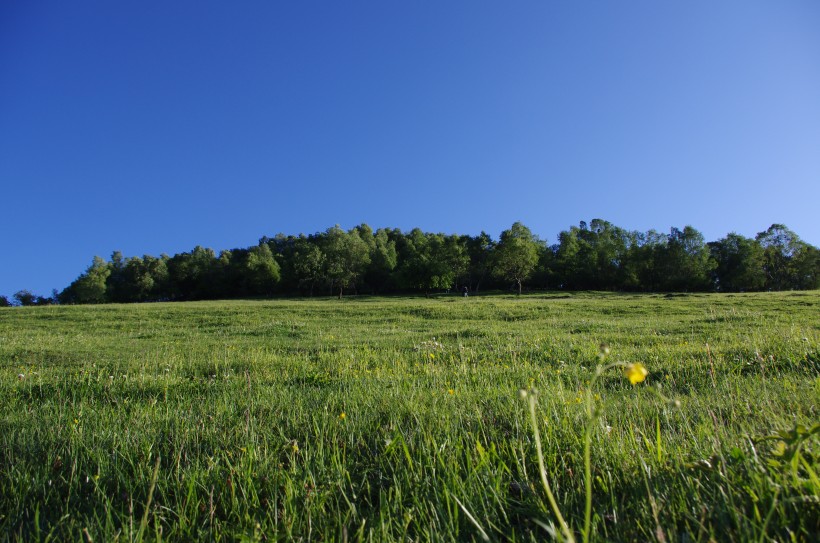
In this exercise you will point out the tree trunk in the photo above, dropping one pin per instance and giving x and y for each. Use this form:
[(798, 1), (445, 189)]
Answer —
[(341, 289), (519, 286)]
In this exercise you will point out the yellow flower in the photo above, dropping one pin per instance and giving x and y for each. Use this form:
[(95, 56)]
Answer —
[(342, 416), (636, 373), (451, 391), (432, 356)]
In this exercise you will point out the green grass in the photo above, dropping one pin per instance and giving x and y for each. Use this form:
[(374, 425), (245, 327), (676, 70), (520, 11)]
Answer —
[(237, 405)]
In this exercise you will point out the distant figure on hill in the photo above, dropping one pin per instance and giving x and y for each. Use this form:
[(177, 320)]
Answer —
[(466, 291)]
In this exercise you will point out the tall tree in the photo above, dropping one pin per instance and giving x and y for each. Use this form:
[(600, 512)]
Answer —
[(346, 257), (432, 261), (479, 250), (90, 287), (566, 260), (685, 263), (195, 275), (807, 268), (789, 262), (516, 255), (261, 270), (739, 264), (307, 263), (383, 260)]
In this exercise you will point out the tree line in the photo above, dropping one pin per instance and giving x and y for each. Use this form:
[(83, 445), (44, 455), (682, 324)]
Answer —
[(594, 256)]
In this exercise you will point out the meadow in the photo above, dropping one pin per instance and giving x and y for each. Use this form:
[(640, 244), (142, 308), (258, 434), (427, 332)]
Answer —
[(408, 419)]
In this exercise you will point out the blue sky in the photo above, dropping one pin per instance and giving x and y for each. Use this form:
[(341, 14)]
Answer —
[(152, 127)]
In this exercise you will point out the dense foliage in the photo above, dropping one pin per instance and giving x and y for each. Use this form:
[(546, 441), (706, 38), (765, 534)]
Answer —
[(595, 256)]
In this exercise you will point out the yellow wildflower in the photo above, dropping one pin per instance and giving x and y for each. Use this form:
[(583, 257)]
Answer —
[(451, 391), (342, 416), (636, 373)]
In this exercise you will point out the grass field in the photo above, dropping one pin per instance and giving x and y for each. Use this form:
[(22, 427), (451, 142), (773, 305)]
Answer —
[(401, 419)]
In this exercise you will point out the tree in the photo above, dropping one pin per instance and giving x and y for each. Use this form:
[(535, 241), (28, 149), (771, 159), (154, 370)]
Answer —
[(261, 270), (194, 275), (432, 261), (308, 263), (594, 256), (25, 297), (116, 290), (739, 264), (383, 260), (807, 268), (642, 267), (479, 250), (346, 257), (137, 284), (414, 255), (566, 259), (90, 287), (788, 261), (4, 302), (685, 262), (598, 255), (516, 254)]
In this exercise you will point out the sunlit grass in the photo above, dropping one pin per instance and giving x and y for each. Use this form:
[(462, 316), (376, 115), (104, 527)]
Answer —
[(396, 419)]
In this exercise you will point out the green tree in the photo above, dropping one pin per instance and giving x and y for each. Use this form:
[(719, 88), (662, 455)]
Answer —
[(567, 259), (194, 275), (26, 297), (788, 261), (479, 251), (90, 287), (641, 270), (739, 264), (137, 283), (383, 261), (594, 256), (116, 289), (307, 263), (432, 261), (346, 258), (516, 255), (807, 268), (685, 261), (261, 270)]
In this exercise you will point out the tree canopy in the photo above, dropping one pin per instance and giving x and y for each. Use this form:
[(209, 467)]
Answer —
[(516, 255), (596, 255)]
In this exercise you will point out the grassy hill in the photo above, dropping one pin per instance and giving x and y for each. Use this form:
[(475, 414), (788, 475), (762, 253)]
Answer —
[(401, 419)]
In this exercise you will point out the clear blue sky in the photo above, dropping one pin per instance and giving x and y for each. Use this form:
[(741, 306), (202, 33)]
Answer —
[(152, 127)]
